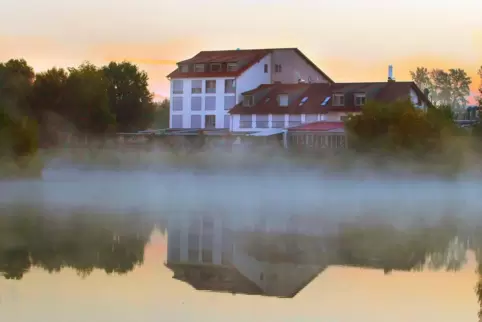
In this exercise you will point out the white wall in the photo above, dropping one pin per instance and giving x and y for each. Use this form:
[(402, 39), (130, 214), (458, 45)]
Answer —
[(291, 63), (253, 77), (186, 95)]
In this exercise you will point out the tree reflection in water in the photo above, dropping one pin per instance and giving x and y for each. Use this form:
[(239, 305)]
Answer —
[(115, 243), (83, 241)]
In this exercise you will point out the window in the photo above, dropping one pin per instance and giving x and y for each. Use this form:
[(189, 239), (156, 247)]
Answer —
[(176, 121), (199, 68), (277, 68), (294, 120), (325, 101), (177, 86), (195, 121), (248, 100), (196, 103), (177, 103), (338, 99), (262, 121), (215, 67), (232, 67), (283, 99), (278, 121), (210, 86), (229, 102), (196, 86), (310, 118), (210, 103), (360, 99), (229, 86), (265, 68), (210, 121), (246, 121), (184, 68), (303, 101)]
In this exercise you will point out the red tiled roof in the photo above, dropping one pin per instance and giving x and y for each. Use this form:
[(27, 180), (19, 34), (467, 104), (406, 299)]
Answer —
[(246, 58), (266, 97), (318, 126)]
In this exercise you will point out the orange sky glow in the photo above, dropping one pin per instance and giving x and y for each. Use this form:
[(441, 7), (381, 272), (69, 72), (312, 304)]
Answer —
[(435, 34), (150, 294)]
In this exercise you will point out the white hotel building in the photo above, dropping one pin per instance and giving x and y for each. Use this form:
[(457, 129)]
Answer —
[(205, 87)]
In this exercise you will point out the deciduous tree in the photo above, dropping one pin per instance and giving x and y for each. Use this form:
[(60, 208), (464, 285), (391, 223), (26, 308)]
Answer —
[(129, 97)]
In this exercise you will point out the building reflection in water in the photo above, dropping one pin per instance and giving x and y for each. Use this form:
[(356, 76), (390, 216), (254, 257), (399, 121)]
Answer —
[(274, 257), (280, 256)]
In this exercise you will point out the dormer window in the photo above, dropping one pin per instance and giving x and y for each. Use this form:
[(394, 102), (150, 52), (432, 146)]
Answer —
[(248, 100), (360, 99), (338, 99), (184, 68), (215, 67), (232, 67), (199, 68), (283, 100)]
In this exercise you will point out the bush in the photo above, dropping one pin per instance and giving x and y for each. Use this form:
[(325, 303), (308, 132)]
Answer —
[(400, 128), (18, 141)]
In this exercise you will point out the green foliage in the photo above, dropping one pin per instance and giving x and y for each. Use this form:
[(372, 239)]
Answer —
[(161, 115), (129, 96), (18, 127), (399, 127)]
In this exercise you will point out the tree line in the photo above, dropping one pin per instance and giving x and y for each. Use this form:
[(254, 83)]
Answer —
[(86, 100), (449, 88)]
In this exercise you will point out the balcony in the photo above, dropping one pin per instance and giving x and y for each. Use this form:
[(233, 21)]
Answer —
[(294, 123), (262, 124), (278, 124), (245, 124)]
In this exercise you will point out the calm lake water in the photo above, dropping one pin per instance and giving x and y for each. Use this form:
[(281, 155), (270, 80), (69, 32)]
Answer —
[(106, 262)]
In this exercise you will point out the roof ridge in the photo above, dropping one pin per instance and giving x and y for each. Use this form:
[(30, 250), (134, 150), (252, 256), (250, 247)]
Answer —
[(248, 49)]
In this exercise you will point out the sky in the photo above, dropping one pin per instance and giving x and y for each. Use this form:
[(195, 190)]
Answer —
[(350, 40), (150, 294)]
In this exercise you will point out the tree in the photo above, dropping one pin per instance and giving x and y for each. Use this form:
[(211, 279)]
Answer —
[(16, 78), (480, 88), (87, 100), (421, 77), (129, 98), (398, 127), (445, 88), (161, 115), (48, 90), (460, 87), (113, 243), (48, 99)]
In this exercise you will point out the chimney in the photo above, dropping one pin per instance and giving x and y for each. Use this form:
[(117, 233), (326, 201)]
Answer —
[(390, 73)]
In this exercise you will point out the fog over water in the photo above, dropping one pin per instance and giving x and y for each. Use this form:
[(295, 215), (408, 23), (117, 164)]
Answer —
[(244, 194)]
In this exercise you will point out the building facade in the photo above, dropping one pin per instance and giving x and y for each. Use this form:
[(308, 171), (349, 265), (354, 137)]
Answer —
[(290, 105), (205, 87)]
